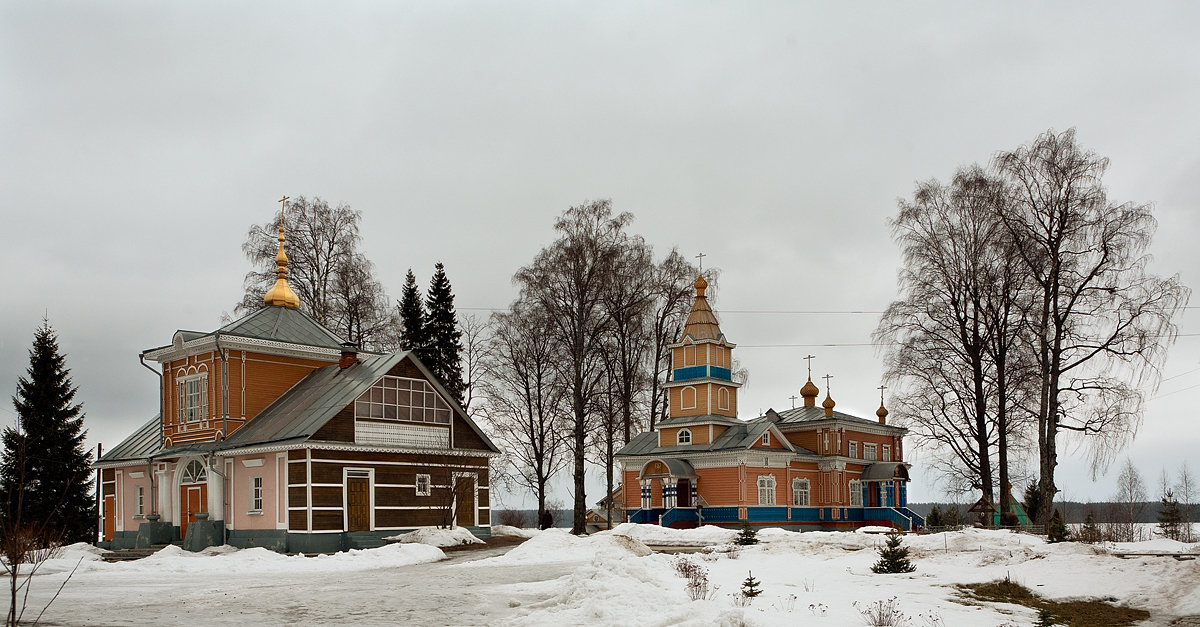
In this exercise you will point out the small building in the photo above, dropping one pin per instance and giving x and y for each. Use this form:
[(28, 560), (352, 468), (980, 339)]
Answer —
[(808, 467), (273, 432)]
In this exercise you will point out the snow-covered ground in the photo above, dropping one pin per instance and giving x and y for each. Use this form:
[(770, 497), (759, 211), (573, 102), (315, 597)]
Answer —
[(609, 578)]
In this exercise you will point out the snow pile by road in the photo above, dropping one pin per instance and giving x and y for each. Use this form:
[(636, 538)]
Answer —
[(66, 558), (516, 532), (558, 545), (437, 537), (228, 560), (655, 535)]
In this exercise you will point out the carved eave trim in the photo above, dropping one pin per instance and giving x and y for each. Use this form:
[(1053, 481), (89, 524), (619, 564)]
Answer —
[(327, 445), (209, 342), (842, 424)]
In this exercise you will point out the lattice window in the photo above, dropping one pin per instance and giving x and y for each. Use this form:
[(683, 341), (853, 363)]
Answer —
[(800, 492), (855, 493), (256, 494), (194, 472), (869, 452), (400, 398), (766, 489), (684, 437), (192, 398)]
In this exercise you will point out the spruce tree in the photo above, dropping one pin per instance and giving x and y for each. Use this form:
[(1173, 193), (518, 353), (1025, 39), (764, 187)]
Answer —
[(747, 535), (441, 328), (1057, 531), (935, 517), (1090, 531), (750, 587), (893, 558), (1170, 518), (44, 476), (412, 318)]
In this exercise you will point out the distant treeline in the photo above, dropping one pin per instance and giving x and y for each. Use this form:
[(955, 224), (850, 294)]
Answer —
[(1073, 511)]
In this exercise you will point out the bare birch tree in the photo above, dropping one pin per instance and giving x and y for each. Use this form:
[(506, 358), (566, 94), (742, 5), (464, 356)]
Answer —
[(1101, 322)]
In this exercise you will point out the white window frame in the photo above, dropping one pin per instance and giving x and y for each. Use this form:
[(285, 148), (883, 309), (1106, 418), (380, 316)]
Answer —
[(683, 398), (801, 492), (856, 493), (190, 477), (684, 437), (766, 439), (256, 494), (766, 489), (427, 490), (192, 397), (140, 500), (854, 449), (722, 398), (886, 454), (870, 452)]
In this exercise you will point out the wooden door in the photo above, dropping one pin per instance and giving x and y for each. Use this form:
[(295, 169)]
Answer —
[(193, 499), (464, 501), (358, 504), (872, 494), (110, 517), (683, 496)]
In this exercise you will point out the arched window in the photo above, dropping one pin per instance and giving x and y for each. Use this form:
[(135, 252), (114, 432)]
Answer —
[(800, 492), (684, 437), (194, 472), (688, 398), (856, 493), (722, 398), (766, 489)]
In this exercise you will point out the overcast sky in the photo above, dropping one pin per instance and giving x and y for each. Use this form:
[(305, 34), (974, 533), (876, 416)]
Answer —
[(138, 142)]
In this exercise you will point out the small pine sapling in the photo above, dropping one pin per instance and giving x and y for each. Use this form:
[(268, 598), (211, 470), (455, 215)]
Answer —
[(935, 517), (747, 535), (893, 558), (1090, 531), (1045, 619), (1170, 518), (750, 589), (1057, 531)]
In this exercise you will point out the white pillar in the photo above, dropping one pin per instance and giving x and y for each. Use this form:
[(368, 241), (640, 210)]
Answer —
[(165, 488)]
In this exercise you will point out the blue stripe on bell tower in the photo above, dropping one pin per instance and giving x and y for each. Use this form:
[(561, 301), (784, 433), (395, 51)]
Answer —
[(697, 372)]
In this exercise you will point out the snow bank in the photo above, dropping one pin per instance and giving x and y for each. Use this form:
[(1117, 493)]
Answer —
[(80, 554), (228, 560), (516, 532), (1157, 545), (558, 545), (437, 537), (707, 535)]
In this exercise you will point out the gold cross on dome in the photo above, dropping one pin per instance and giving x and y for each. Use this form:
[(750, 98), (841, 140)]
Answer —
[(283, 203), (827, 378), (881, 389), (701, 257), (809, 359)]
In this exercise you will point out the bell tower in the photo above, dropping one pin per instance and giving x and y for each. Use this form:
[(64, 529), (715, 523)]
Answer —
[(701, 365)]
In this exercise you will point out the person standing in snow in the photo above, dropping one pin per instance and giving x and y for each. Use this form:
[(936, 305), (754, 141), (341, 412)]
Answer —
[(547, 520)]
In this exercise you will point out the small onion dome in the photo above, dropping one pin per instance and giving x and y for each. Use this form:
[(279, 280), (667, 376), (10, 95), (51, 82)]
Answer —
[(810, 390), (882, 412), (828, 405), (700, 285), (281, 294)]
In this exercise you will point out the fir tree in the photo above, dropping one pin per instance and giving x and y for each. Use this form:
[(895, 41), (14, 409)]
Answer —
[(44, 476), (412, 318), (441, 328), (1057, 531), (1170, 518), (747, 535), (750, 587), (893, 558), (1090, 531), (935, 517)]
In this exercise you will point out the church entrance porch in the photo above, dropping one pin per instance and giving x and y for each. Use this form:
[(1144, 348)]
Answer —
[(668, 491)]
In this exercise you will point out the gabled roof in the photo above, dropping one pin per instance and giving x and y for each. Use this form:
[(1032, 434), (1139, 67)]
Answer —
[(282, 324), (301, 411), (740, 436), (140, 444)]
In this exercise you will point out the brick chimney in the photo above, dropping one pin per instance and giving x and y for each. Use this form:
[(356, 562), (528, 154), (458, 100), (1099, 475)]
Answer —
[(349, 355)]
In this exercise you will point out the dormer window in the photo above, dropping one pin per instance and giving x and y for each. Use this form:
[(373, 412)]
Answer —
[(684, 437), (192, 397)]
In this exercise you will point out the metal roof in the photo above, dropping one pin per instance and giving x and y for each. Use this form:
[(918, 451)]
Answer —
[(813, 414), (312, 402), (283, 324), (140, 444), (738, 436), (885, 471)]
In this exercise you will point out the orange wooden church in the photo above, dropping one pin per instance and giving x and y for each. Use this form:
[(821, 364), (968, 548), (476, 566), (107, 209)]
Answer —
[(804, 468), (272, 432)]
